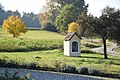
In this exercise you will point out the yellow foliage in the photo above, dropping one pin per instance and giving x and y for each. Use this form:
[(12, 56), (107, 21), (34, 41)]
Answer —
[(14, 25), (73, 27), (43, 17)]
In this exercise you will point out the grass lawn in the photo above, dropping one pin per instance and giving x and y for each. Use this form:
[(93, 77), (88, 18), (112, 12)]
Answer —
[(118, 49), (33, 40), (42, 34), (34, 34), (49, 57), (44, 49)]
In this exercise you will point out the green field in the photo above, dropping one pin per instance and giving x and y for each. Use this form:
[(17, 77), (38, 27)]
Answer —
[(36, 40), (45, 49), (34, 34), (33, 40)]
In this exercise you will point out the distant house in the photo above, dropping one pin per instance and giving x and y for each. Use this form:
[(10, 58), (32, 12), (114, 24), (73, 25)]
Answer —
[(72, 44)]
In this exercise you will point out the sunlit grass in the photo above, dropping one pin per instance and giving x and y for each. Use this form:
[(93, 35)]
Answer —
[(47, 58), (41, 34), (34, 34)]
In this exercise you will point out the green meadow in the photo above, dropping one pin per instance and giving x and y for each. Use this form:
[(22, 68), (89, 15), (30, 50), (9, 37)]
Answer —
[(45, 49)]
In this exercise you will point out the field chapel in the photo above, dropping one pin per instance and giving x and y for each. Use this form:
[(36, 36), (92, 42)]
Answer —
[(72, 44)]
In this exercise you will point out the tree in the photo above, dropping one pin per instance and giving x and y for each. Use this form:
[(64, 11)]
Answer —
[(14, 25), (31, 20), (105, 26), (73, 27), (5, 14), (2, 14), (108, 25), (53, 10), (16, 13), (85, 29), (43, 19), (50, 27), (114, 16), (80, 4), (67, 15)]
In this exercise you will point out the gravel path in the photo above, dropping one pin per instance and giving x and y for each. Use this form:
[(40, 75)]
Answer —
[(109, 50), (43, 75)]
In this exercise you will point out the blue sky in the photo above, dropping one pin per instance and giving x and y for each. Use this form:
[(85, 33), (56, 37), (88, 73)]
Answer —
[(35, 6)]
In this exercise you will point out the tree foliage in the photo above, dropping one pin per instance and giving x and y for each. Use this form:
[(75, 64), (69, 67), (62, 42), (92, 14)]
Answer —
[(43, 19), (14, 25), (50, 11), (80, 4), (2, 14), (50, 27), (60, 12), (73, 27), (31, 20), (85, 28), (113, 17), (106, 26), (66, 16)]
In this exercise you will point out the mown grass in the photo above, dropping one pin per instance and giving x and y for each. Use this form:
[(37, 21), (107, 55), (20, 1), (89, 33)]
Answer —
[(89, 44), (49, 57)]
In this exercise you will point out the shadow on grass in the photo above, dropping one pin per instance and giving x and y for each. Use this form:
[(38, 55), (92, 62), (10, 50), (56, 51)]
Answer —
[(90, 57), (29, 49)]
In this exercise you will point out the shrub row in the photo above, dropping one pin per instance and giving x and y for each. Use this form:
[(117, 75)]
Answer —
[(19, 45), (59, 67), (8, 76)]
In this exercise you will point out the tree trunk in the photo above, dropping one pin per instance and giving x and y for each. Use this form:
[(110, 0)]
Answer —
[(105, 49)]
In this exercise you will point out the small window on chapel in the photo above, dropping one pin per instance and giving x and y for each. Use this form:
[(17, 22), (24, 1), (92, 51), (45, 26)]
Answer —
[(74, 46)]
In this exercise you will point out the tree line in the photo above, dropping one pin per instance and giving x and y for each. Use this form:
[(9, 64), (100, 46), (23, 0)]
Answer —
[(30, 19)]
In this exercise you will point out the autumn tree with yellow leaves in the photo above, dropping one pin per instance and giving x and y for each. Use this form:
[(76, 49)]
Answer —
[(14, 25), (73, 27)]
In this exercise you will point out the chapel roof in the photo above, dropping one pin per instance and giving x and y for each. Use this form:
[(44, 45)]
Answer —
[(70, 35)]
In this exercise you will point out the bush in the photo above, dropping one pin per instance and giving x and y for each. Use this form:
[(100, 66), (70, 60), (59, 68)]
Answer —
[(83, 70), (32, 65), (2, 62), (11, 63), (95, 72), (23, 45), (9, 76), (57, 63), (69, 69), (59, 66)]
